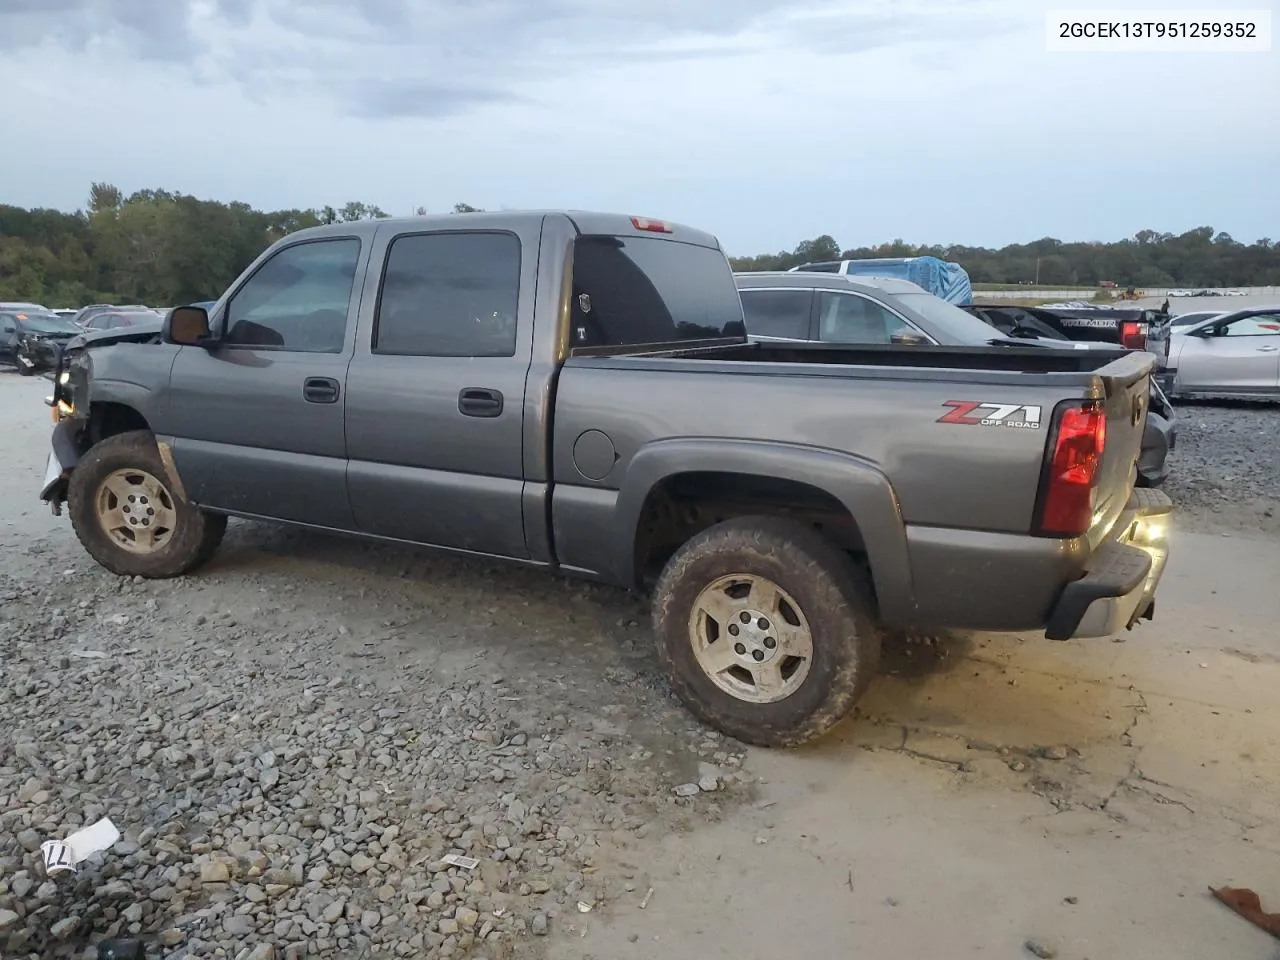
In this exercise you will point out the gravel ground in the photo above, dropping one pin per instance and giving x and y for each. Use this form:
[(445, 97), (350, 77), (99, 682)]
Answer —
[(292, 740), (291, 746), (1225, 475)]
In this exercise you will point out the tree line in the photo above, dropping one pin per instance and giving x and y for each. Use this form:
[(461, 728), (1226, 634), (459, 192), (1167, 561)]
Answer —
[(1201, 257), (164, 248), (152, 246)]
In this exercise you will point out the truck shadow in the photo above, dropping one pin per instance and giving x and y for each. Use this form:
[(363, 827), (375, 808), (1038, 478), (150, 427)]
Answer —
[(916, 655), (574, 632)]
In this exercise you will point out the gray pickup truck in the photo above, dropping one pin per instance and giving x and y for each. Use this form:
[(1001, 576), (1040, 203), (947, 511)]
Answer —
[(576, 392)]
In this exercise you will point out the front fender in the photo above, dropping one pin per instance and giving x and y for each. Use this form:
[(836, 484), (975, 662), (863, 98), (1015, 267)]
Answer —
[(859, 485), (132, 375), (123, 392)]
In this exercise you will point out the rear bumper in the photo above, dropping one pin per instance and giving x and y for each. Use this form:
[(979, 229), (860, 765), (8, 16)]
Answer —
[(980, 580), (1119, 584)]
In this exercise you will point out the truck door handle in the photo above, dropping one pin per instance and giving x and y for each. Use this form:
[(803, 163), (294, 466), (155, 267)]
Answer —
[(480, 402), (320, 390)]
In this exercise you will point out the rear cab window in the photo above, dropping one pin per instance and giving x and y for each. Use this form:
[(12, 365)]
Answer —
[(650, 290)]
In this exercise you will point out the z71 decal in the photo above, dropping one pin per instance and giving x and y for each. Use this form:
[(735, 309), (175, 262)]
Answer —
[(978, 413)]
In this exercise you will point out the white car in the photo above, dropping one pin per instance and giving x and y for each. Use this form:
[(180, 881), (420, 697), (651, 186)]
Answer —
[(1195, 318), (1236, 353)]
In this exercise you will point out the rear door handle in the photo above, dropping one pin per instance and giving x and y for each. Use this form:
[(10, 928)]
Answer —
[(1268, 349), (480, 402), (320, 390)]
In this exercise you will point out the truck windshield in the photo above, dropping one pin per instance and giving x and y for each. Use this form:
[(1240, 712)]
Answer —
[(641, 290)]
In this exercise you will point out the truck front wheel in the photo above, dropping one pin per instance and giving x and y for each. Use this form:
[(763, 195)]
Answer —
[(766, 631), (128, 518)]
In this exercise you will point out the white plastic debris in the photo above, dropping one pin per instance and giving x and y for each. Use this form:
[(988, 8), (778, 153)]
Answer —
[(466, 863), (63, 856)]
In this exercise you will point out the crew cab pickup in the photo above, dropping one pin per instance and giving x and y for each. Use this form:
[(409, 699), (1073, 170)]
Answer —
[(576, 392)]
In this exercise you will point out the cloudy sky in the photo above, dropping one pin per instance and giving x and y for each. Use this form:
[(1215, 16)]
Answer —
[(764, 121)]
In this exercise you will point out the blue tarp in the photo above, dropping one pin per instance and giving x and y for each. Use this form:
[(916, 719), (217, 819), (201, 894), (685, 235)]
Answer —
[(949, 281)]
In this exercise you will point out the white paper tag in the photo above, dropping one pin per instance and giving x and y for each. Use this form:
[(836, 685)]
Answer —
[(62, 856), (466, 863)]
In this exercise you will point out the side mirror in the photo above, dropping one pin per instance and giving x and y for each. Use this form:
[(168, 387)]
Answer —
[(908, 339), (186, 326)]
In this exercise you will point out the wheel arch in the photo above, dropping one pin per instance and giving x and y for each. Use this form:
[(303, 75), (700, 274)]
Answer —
[(849, 499)]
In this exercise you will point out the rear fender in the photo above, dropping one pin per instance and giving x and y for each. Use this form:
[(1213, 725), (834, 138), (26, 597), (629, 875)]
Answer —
[(857, 484)]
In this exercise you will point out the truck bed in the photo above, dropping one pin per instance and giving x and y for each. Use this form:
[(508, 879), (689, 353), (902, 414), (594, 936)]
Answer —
[(899, 414)]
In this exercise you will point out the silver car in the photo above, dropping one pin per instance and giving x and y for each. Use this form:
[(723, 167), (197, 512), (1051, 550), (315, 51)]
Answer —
[(1198, 316), (1234, 353)]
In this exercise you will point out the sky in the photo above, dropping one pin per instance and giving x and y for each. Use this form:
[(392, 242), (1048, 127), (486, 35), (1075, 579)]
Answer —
[(766, 122)]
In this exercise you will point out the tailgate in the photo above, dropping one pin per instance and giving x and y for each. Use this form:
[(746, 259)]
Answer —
[(1126, 383)]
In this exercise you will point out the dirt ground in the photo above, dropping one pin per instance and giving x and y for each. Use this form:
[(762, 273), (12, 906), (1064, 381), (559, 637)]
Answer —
[(993, 790)]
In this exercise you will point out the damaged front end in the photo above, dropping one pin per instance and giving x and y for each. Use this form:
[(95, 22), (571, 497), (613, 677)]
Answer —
[(70, 403)]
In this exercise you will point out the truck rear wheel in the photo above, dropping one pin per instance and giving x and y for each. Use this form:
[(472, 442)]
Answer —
[(766, 631), (127, 517)]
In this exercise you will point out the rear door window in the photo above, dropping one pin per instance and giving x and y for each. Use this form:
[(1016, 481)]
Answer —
[(450, 295), (778, 313), (646, 290)]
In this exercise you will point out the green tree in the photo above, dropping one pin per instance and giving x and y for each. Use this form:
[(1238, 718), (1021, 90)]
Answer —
[(161, 247)]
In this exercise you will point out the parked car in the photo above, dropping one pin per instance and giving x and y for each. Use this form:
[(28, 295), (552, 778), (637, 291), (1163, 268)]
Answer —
[(942, 278), (92, 310), (575, 392), (111, 319), (870, 310), (30, 340), (1232, 353), (838, 308), (1187, 319)]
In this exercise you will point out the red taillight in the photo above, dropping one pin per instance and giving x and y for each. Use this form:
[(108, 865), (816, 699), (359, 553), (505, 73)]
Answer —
[(1066, 505), (1133, 335), (653, 226)]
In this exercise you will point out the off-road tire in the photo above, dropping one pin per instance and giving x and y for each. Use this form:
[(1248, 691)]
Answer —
[(836, 599), (197, 533)]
